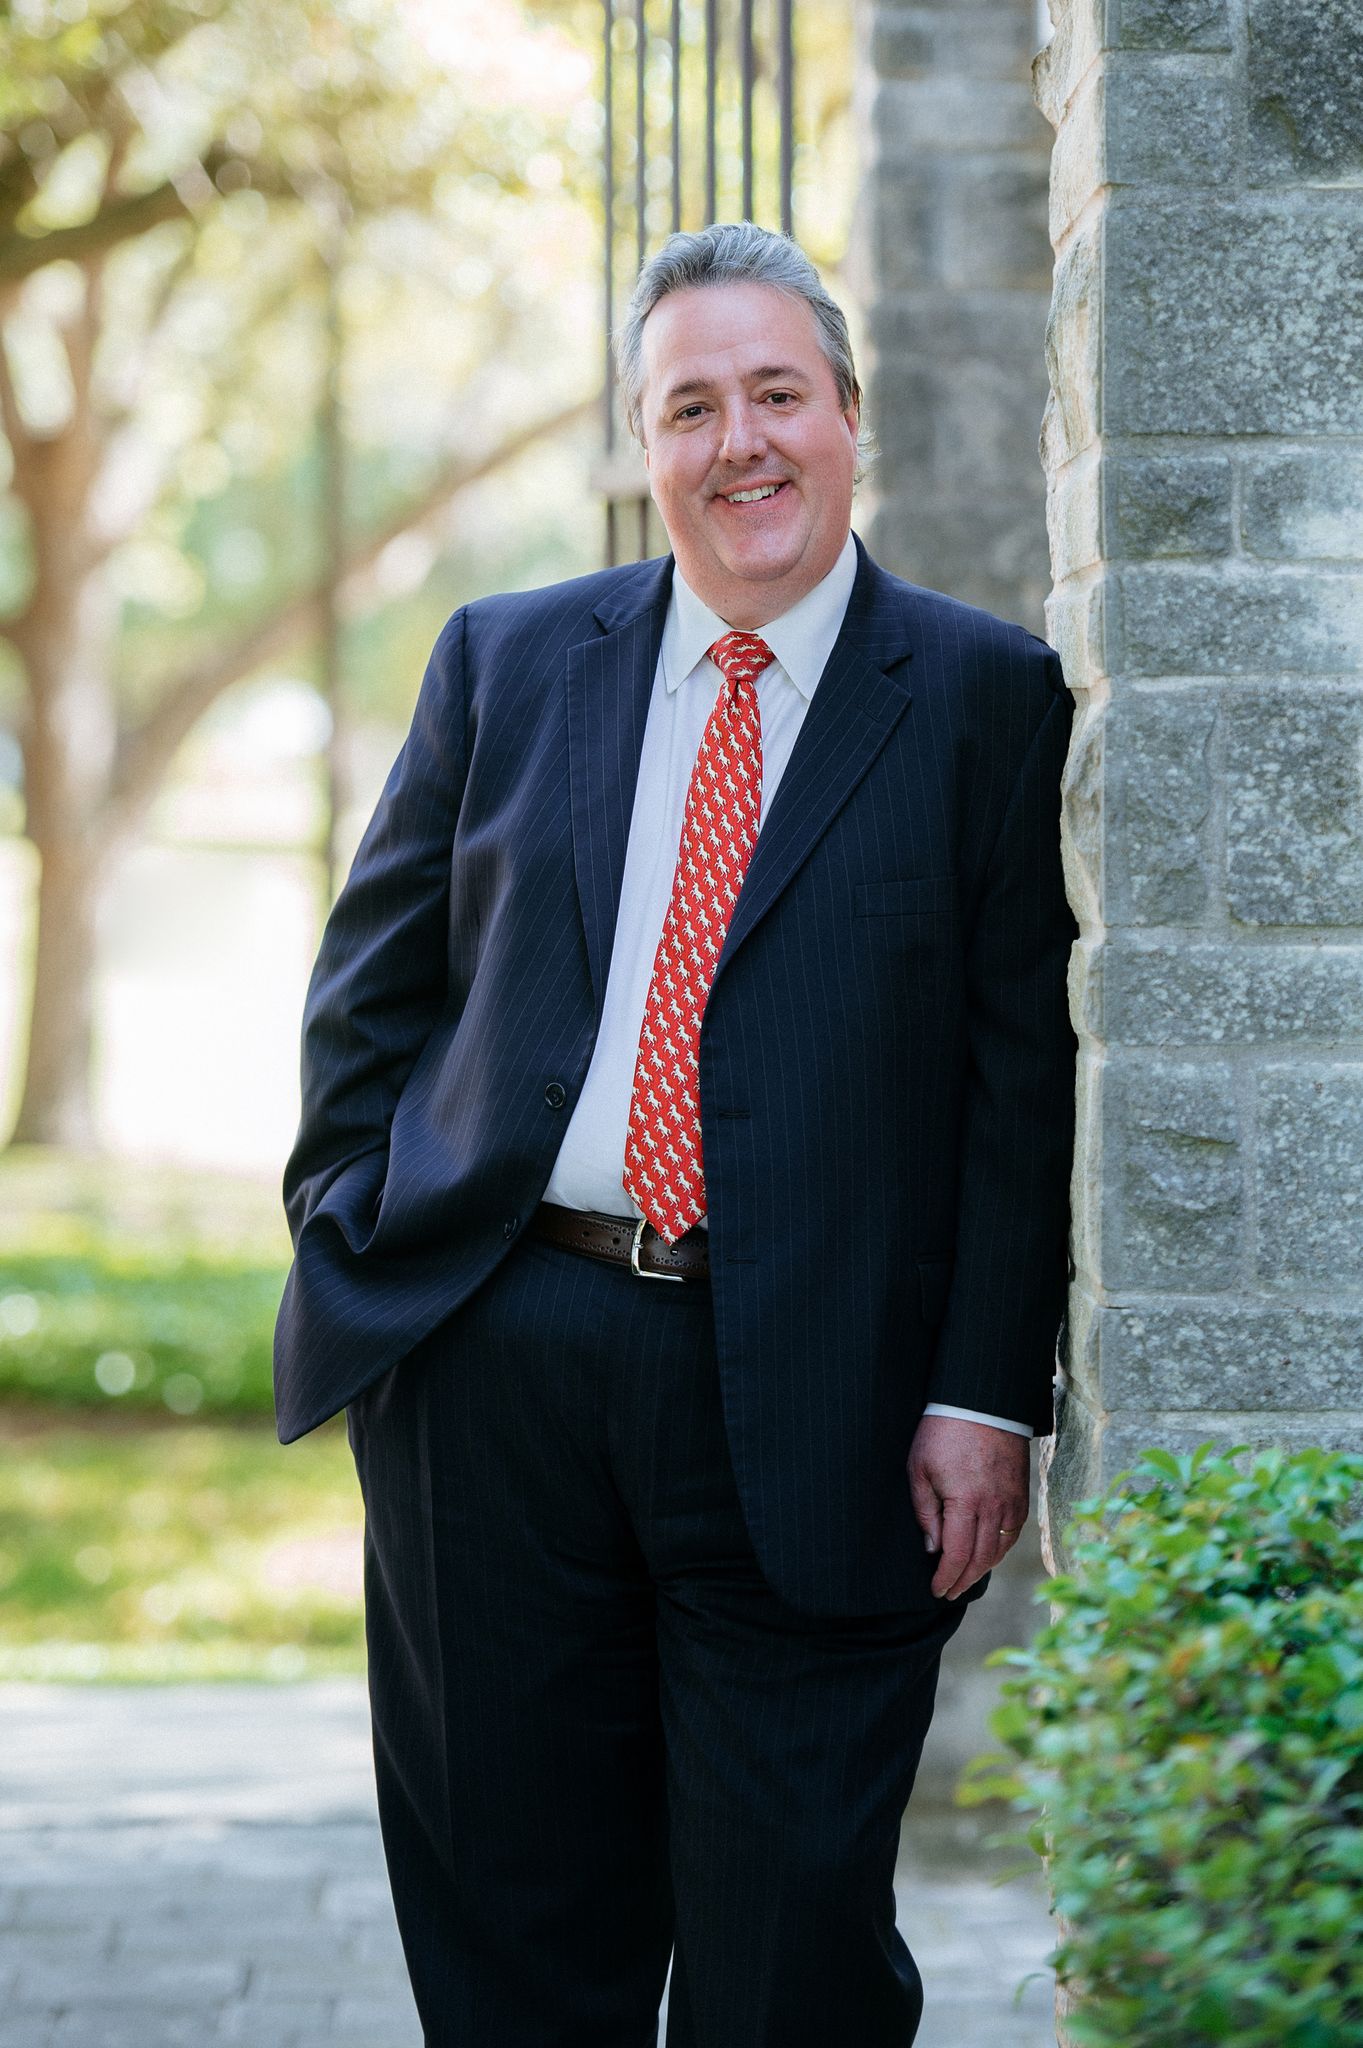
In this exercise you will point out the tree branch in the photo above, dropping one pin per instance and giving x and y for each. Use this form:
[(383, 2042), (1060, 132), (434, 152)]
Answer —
[(147, 752), (119, 221)]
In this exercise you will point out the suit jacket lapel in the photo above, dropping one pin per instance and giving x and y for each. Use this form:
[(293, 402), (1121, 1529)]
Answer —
[(861, 696), (609, 684)]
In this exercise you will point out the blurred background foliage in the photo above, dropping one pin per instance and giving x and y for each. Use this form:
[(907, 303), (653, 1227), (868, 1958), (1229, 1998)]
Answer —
[(300, 347)]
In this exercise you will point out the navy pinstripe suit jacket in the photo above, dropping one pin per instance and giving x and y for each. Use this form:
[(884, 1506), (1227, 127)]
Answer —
[(886, 1059)]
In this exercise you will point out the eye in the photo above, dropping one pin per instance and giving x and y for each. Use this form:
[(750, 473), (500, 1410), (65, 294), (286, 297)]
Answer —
[(782, 395), (689, 410)]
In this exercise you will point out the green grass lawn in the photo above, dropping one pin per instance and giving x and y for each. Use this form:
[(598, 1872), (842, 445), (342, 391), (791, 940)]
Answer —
[(181, 1549), (151, 1526)]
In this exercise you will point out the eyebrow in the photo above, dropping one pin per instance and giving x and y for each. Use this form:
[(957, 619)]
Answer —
[(786, 372)]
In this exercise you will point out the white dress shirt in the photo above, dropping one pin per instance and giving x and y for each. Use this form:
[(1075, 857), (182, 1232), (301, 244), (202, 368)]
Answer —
[(587, 1172)]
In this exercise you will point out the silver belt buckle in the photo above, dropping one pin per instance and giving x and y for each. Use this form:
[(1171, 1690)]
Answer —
[(634, 1266)]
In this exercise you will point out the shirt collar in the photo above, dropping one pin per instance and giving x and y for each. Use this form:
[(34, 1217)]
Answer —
[(801, 639)]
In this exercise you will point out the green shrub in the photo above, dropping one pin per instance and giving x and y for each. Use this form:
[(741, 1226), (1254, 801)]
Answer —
[(1187, 1736), (122, 1327)]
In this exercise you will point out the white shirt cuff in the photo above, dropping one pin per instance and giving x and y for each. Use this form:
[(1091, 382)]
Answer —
[(974, 1415)]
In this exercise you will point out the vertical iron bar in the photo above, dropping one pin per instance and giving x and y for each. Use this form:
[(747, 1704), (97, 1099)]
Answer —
[(640, 137), (786, 33), (676, 115), (608, 165), (711, 99), (746, 70)]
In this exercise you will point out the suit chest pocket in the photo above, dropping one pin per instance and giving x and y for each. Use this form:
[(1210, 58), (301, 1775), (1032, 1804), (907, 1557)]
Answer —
[(905, 896)]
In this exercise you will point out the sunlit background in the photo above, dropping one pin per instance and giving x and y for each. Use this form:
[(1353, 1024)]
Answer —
[(303, 335)]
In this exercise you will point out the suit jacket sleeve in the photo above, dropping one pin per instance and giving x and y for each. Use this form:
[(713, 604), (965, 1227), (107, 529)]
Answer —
[(381, 978), (997, 1344)]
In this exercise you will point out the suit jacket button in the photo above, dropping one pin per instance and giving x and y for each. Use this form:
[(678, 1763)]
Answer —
[(511, 1226), (555, 1095)]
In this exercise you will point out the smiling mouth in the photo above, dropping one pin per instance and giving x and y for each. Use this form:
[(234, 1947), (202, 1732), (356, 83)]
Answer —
[(753, 494)]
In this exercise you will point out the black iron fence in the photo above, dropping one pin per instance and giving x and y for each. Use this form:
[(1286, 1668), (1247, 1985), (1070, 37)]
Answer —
[(700, 126)]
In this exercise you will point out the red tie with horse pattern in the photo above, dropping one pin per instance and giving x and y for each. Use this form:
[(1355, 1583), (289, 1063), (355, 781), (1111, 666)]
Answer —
[(664, 1172)]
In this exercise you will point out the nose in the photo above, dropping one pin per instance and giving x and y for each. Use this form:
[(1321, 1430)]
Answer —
[(745, 433)]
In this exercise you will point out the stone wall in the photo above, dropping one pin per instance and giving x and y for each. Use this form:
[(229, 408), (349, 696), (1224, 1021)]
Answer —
[(954, 269), (1204, 456)]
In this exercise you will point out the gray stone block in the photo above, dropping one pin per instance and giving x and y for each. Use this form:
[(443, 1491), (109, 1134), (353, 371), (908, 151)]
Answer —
[(978, 42), (1294, 807), (901, 406), (1308, 1176), (1076, 626), (1305, 504), (1159, 855), (1198, 994), (258, 2021), (173, 1985), (903, 43), (1003, 559), (948, 114), (377, 1945), (1173, 24), (1079, 34), (1074, 517), (357, 1899), (1226, 317), (989, 554), (903, 235), (1168, 124), (1306, 89), (1071, 1467), (986, 436), (991, 229), (1182, 620), (1170, 1190), (1078, 156), (1082, 831), (1074, 348), (1194, 1354), (84, 2026), (374, 2018), (394, 2035), (1167, 505), (986, 326)]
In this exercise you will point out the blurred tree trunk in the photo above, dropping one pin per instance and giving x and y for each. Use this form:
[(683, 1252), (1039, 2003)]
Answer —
[(64, 637)]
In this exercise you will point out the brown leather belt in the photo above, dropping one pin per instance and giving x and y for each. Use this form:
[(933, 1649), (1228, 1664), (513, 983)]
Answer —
[(623, 1242)]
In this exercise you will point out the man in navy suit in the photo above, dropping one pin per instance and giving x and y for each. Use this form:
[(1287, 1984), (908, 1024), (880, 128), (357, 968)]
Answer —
[(680, 1212)]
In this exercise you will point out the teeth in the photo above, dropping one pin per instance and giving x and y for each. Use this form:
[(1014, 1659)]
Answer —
[(752, 497)]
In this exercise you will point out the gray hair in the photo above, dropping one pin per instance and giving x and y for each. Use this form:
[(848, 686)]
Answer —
[(735, 252)]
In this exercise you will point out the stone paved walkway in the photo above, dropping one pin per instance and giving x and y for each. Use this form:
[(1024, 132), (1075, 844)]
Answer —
[(201, 1864)]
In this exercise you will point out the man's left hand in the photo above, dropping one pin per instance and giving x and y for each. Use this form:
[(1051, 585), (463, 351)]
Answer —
[(970, 1494)]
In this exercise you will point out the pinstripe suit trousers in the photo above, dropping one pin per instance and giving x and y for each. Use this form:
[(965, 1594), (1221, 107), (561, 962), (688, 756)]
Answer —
[(601, 1739)]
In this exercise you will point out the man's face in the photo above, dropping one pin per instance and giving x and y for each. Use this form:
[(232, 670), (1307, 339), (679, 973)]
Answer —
[(739, 398)]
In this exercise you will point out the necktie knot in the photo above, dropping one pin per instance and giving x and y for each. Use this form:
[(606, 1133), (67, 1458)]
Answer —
[(741, 657)]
